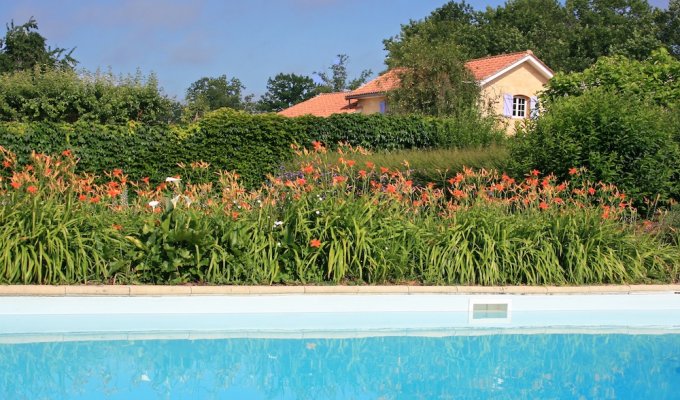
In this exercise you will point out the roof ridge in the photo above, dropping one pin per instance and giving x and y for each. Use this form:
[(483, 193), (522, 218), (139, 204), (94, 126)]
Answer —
[(525, 52)]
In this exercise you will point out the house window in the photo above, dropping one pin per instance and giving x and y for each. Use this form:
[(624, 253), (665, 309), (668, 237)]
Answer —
[(519, 107), (383, 107)]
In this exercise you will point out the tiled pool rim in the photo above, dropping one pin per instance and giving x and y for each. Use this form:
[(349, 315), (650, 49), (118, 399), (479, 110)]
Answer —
[(194, 290)]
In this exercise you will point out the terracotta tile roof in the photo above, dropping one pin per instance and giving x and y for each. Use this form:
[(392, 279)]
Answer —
[(485, 67), (385, 82), (332, 103), (322, 105)]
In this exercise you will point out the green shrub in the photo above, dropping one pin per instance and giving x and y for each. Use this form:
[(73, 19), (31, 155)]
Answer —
[(252, 145), (332, 224), (619, 139), (62, 95)]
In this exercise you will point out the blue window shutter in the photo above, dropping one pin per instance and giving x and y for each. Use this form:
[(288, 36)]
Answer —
[(533, 104), (507, 105), (382, 107)]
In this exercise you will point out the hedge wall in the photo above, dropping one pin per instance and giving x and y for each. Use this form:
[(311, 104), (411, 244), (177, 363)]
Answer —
[(253, 145)]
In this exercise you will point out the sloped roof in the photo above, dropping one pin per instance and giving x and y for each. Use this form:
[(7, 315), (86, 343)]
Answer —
[(484, 70), (485, 67), (321, 105), (384, 83)]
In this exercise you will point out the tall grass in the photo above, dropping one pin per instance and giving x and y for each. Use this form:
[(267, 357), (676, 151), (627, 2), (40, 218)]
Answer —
[(350, 221), (425, 165)]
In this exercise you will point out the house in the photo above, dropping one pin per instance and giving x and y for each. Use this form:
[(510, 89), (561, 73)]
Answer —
[(509, 84)]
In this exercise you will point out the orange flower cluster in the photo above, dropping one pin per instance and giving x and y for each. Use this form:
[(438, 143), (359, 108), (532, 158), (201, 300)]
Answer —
[(340, 181)]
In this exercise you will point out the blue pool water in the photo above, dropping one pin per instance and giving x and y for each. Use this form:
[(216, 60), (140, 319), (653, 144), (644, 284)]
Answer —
[(452, 365)]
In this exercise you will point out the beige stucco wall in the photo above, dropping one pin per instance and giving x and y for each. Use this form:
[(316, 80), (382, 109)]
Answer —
[(523, 80), (370, 105)]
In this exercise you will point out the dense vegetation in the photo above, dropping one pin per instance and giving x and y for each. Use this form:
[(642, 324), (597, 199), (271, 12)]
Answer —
[(142, 189), (252, 145), (619, 118), (567, 36), (344, 223)]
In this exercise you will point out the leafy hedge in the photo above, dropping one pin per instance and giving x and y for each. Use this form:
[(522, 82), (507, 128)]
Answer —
[(252, 145), (627, 141)]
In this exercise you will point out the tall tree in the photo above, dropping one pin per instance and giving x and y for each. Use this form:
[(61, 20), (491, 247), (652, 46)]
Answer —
[(23, 48), (568, 37), (207, 94), (285, 90), (669, 27), (434, 80), (337, 80)]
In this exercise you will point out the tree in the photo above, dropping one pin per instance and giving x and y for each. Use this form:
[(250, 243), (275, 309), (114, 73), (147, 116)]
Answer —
[(567, 37), (62, 95), (454, 21), (285, 90), (23, 48), (207, 94), (337, 80), (656, 79), (669, 27), (434, 80)]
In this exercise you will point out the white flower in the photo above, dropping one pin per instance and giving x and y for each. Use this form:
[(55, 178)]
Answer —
[(188, 200), (318, 212), (174, 201), (172, 179), (278, 244), (154, 203), (278, 223)]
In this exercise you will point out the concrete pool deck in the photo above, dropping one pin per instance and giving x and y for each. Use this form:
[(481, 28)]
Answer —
[(188, 290)]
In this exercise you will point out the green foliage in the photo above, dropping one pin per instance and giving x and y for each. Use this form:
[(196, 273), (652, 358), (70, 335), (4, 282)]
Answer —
[(23, 48), (62, 95), (252, 145), (391, 132), (337, 81), (626, 140), (316, 231), (425, 165), (669, 23), (209, 94), (567, 37), (656, 78), (286, 90), (434, 81)]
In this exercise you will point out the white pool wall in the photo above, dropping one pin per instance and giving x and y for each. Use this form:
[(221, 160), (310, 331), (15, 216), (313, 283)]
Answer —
[(289, 313)]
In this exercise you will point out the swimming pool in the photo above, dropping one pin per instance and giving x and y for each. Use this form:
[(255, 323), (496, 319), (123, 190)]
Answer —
[(341, 347)]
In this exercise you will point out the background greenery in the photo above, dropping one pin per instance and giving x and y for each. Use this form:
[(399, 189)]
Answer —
[(252, 145)]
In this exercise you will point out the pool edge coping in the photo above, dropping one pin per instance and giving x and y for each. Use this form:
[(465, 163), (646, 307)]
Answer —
[(195, 290)]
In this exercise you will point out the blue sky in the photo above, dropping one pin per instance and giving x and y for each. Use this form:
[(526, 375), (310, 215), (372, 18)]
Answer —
[(182, 41)]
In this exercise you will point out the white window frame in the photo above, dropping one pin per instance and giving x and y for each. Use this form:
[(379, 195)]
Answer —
[(519, 103)]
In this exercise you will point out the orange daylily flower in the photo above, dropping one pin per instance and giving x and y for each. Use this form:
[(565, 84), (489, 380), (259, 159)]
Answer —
[(316, 243)]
